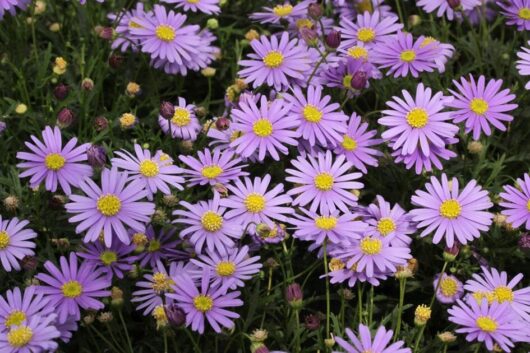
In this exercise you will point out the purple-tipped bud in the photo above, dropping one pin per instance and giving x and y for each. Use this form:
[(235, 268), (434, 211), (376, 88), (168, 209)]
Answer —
[(175, 315), (451, 253), (333, 39), (309, 35), (312, 322), (524, 242), (454, 4), (101, 123), (29, 263), (294, 295), (116, 60), (358, 80), (222, 123), (60, 91), (106, 33), (262, 349), (315, 11), (65, 118), (96, 156), (167, 110)]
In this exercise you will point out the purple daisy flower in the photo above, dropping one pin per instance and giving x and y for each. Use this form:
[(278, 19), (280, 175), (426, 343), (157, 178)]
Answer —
[(70, 287), (371, 29), (265, 130), (15, 243), (445, 7), (381, 342), (495, 323), (155, 172), (11, 6), (449, 290), (318, 120), (113, 261), (275, 61), (160, 245), (212, 168), (324, 182), (207, 225), (230, 270), (184, 124), (418, 123), (251, 203), (516, 203), (109, 208), (124, 39), (480, 104), (350, 74), (450, 212), (284, 11), (37, 334), (18, 308), (207, 303), (523, 64), (517, 13), (53, 163), (357, 144), (205, 6)]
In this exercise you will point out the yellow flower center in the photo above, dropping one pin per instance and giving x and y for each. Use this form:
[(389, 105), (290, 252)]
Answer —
[(448, 286), (282, 10), (161, 282), (427, 41), (165, 33), (108, 257), (336, 264), (486, 324), (528, 205), (312, 114), (417, 118), (235, 135), (148, 168), (133, 24), (211, 221), (139, 239), (273, 59), (159, 314), (225, 268), (54, 161), (15, 318), (450, 209), (346, 81), (503, 294), (109, 205), (386, 226), (408, 55), (127, 120), (154, 245), (324, 181), (422, 313), (304, 23), (262, 127), (72, 289), (20, 336), (371, 246), (358, 52), (181, 117), (478, 106), (366, 34), (348, 143), (489, 296), (211, 171), (203, 303), (4, 239), (255, 202), (524, 13), (326, 223)]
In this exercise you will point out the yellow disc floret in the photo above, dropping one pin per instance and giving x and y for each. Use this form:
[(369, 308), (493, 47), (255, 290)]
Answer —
[(503, 294), (417, 118), (165, 33), (20, 336), (408, 56), (312, 114), (211, 221), (211, 171), (255, 202), (4, 239), (262, 127), (108, 205), (282, 10), (108, 257), (181, 117), (273, 59), (203, 303), (326, 223), (448, 286), (386, 225), (348, 143), (149, 168), (478, 106), (366, 34), (358, 52), (486, 324), (324, 181), (450, 209), (54, 161), (161, 282), (524, 13), (72, 289), (371, 246), (15, 318), (225, 268)]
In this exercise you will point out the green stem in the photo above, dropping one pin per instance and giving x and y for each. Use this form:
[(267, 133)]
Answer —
[(478, 348), (371, 305), (400, 13), (297, 347), (190, 336), (328, 302), (402, 286), (165, 341), (126, 331), (418, 339), (326, 53), (360, 303), (104, 339)]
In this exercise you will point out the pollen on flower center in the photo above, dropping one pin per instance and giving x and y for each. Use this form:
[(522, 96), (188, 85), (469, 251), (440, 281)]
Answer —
[(72, 289), (312, 114), (524, 13), (148, 168), (408, 55), (273, 59), (478, 106), (386, 226), (358, 52), (109, 205), (503, 294), (282, 10), (448, 286), (161, 282), (181, 117), (165, 33), (54, 161), (450, 209), (479, 296), (336, 264), (348, 143), (225, 268), (203, 303), (211, 171), (255, 202), (154, 245), (324, 181), (326, 223), (108, 257), (417, 118), (211, 221), (486, 324), (20, 336), (262, 127), (4, 239), (366, 34), (15, 318), (371, 246), (304, 23)]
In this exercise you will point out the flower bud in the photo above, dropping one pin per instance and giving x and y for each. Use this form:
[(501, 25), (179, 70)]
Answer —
[(447, 337), (271, 263), (21, 108), (116, 60), (454, 4), (333, 39), (60, 91), (133, 89), (96, 156), (106, 33), (159, 313), (105, 317), (167, 110), (29, 263), (59, 66), (260, 348), (89, 319), (222, 123), (186, 145), (251, 35), (127, 120), (101, 123), (422, 314), (87, 84), (159, 217), (57, 202), (315, 11), (175, 315), (451, 253), (55, 27), (258, 336), (475, 147), (40, 7), (294, 295), (359, 80), (212, 23), (200, 112), (65, 118), (329, 342), (116, 295), (345, 293), (11, 203), (414, 20), (61, 243), (208, 72), (312, 322), (524, 242), (170, 200), (309, 35)]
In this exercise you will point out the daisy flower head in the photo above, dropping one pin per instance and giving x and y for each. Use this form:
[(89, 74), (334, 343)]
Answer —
[(319, 120), (450, 289), (445, 8), (207, 225), (284, 11), (15, 243), (205, 6), (363, 342), (11, 6), (481, 104), (251, 203), (516, 202), (70, 287), (349, 74), (452, 214), (184, 124), (112, 261), (54, 164), (110, 208), (417, 123), (212, 167), (370, 29), (207, 303), (37, 334), (517, 13), (18, 307), (156, 172), (523, 64), (357, 144), (158, 245), (229, 270), (124, 39), (276, 61), (266, 129)]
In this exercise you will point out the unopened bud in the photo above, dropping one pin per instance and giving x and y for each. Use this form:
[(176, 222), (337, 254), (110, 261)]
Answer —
[(315, 11), (309, 35), (65, 118), (359, 80), (414, 20), (175, 315), (60, 91), (333, 39), (451, 253), (422, 314), (133, 89), (251, 35), (475, 147), (212, 23), (29, 263), (11, 203), (222, 123), (447, 337), (208, 72), (101, 123), (312, 322), (258, 336), (167, 110), (106, 33), (87, 84), (21, 108), (96, 156), (105, 317), (294, 295), (454, 4), (329, 342), (116, 60)]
